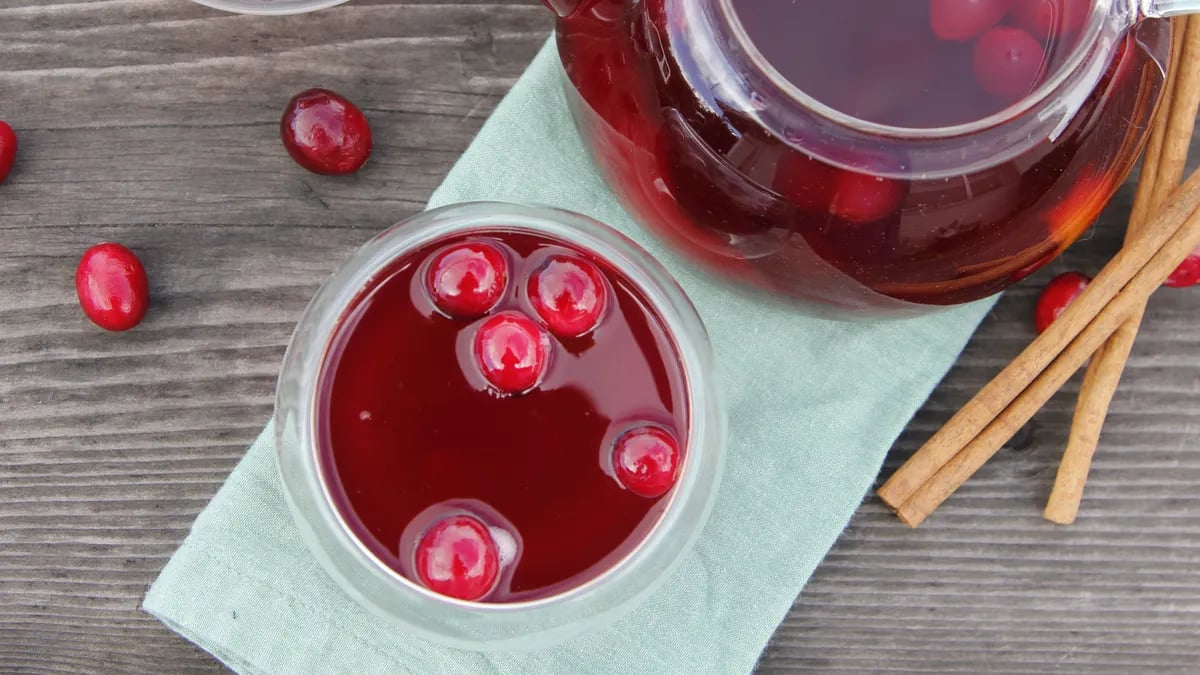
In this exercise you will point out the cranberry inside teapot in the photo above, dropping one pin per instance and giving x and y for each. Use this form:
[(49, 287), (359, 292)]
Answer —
[(875, 157)]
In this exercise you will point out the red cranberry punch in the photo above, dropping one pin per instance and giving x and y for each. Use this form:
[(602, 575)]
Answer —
[(866, 157), (497, 425)]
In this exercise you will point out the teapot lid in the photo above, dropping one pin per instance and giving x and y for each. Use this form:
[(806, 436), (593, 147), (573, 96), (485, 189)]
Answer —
[(745, 79)]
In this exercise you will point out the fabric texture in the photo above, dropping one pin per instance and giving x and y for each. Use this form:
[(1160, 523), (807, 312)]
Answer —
[(813, 407)]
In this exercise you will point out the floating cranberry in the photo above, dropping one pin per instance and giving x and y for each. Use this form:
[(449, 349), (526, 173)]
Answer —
[(458, 558), (466, 280), (8, 149), (569, 294), (1060, 292), (1050, 18), (325, 133), (1008, 62), (862, 198), (511, 352), (961, 20), (646, 460), (111, 284), (1188, 272), (805, 182)]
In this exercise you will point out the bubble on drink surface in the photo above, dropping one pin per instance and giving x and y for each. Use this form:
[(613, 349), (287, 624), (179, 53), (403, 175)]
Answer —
[(506, 544)]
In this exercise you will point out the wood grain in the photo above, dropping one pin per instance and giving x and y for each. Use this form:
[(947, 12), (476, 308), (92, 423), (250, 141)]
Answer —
[(153, 122)]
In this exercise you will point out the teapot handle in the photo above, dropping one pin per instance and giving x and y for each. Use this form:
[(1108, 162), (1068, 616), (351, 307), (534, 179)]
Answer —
[(566, 8)]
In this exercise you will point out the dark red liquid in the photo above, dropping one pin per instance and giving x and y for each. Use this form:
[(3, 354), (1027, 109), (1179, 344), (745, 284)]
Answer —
[(690, 161), (405, 429), (880, 60)]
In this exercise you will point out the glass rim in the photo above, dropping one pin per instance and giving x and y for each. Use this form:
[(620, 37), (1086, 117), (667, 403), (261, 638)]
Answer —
[(1080, 52)]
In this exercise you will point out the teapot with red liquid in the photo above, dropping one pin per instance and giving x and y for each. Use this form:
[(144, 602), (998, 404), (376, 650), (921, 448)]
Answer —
[(866, 157)]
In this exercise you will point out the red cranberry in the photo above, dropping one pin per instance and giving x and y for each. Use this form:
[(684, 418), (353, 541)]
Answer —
[(457, 557), (511, 352), (1188, 272), (896, 62), (325, 133), (466, 280), (8, 149), (1048, 18), (111, 284), (805, 182), (962, 20), (862, 198), (1060, 292), (569, 294), (646, 460), (1008, 62)]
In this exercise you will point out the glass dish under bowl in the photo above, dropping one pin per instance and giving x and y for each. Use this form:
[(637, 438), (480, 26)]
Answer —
[(514, 625)]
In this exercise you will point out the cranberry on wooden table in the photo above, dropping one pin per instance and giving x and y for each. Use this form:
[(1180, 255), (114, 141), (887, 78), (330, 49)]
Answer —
[(112, 288), (325, 133), (458, 558), (646, 460), (8, 149), (569, 295), (466, 280), (961, 20), (1060, 292)]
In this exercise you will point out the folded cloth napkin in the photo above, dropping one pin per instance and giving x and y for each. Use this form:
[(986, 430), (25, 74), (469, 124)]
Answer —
[(813, 407)]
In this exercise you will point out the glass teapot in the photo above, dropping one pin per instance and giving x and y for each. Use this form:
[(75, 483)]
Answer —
[(866, 157)]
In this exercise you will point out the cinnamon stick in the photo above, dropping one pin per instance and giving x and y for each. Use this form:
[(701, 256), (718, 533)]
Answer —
[(1163, 167), (996, 396), (1029, 399)]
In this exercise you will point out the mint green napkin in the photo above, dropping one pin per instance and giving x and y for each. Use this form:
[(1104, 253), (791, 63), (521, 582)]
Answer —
[(814, 406)]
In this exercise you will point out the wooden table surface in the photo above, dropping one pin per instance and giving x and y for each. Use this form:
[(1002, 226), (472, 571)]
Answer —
[(155, 123)]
